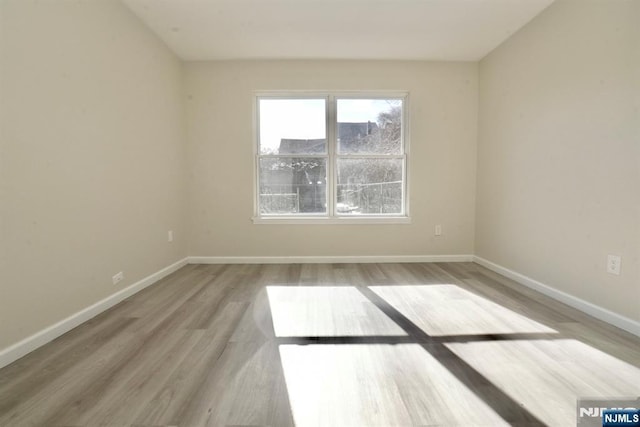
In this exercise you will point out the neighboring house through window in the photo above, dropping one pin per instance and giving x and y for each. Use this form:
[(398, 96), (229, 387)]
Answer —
[(331, 157)]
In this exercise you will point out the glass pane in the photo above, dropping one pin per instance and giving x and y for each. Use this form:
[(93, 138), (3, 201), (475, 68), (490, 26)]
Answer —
[(290, 185), (369, 186), (293, 126), (372, 126)]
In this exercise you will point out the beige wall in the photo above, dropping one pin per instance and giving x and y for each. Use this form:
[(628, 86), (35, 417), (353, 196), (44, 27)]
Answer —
[(91, 158), (559, 151), (93, 163), (443, 111)]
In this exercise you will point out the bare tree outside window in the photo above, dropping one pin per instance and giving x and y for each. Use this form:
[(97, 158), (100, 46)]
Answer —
[(370, 176)]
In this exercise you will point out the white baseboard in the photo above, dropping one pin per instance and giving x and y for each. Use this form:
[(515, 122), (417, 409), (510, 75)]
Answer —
[(591, 309), (27, 345), (328, 259)]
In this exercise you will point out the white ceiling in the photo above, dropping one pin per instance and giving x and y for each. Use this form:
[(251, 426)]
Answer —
[(440, 30)]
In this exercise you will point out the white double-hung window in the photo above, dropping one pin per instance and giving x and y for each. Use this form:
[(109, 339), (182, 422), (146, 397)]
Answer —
[(331, 158)]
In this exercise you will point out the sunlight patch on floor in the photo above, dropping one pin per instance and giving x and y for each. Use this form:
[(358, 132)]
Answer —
[(443, 310), (369, 385), (327, 311), (548, 376)]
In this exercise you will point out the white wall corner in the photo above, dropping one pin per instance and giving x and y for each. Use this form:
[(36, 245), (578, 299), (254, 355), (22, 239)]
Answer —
[(591, 309), (14, 352)]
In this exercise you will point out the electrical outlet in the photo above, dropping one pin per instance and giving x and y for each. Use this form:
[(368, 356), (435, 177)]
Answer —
[(613, 264), (438, 231), (170, 236), (118, 278)]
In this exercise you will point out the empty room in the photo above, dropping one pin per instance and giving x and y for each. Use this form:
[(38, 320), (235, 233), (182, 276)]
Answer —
[(319, 213)]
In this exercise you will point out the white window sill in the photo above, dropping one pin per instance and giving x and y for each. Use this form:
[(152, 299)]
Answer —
[(362, 220)]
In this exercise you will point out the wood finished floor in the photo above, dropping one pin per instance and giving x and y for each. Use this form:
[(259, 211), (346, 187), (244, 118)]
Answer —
[(331, 345)]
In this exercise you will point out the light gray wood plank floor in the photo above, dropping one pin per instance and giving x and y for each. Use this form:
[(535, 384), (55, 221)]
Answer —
[(324, 345)]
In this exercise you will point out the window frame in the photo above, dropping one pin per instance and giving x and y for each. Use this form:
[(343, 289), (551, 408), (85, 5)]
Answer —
[(331, 155)]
